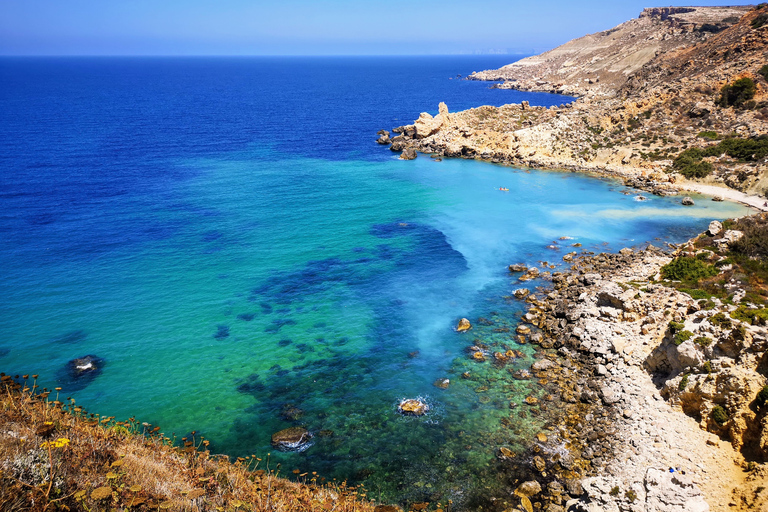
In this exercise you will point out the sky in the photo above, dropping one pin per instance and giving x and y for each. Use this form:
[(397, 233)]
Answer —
[(304, 27)]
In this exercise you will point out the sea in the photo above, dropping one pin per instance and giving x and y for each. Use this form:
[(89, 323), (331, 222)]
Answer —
[(227, 241)]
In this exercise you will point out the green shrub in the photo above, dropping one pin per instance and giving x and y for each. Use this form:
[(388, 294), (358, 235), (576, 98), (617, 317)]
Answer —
[(675, 327), (685, 268), (760, 20), (630, 495), (720, 320), (707, 367), (762, 396), (708, 134), (614, 491), (719, 415), (763, 71), (703, 341), (690, 166), (696, 294), (681, 337), (683, 383), (751, 315), (735, 94)]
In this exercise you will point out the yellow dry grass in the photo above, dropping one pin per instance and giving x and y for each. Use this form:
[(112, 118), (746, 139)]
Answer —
[(55, 456)]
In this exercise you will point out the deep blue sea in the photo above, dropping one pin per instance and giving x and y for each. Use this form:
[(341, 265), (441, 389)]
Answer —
[(226, 235)]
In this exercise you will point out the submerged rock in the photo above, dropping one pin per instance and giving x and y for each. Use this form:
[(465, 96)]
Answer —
[(412, 407), (292, 439), (442, 383), (85, 366)]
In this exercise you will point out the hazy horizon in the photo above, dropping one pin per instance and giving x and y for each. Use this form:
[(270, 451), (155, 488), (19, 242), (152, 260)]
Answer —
[(301, 27)]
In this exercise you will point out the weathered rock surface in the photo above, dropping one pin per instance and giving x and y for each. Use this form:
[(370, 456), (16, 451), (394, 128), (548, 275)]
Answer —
[(292, 439), (413, 407)]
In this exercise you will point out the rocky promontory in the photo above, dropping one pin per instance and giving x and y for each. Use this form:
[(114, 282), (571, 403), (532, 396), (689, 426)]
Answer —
[(684, 105)]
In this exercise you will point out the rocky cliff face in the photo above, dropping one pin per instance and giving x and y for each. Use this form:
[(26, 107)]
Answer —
[(598, 64)]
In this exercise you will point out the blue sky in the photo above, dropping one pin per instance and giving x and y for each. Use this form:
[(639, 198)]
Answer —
[(302, 27)]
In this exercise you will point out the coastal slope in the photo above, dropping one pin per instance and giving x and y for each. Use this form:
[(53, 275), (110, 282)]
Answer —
[(636, 120)]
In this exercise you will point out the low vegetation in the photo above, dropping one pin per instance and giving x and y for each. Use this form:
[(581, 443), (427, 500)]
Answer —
[(737, 93), (691, 164), (56, 456)]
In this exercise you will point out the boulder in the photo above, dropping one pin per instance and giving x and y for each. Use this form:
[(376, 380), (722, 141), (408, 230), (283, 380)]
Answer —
[(464, 325), (383, 137), (714, 228), (528, 489), (687, 201), (408, 154), (292, 439), (672, 492), (412, 407), (521, 293), (518, 267)]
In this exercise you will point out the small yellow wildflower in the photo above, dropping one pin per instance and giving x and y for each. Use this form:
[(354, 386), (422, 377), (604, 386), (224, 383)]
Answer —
[(59, 443)]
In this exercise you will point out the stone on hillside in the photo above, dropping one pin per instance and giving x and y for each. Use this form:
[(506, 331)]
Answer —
[(672, 492), (714, 228)]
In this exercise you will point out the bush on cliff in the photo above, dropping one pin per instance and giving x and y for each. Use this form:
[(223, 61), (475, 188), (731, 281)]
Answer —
[(737, 93), (685, 268), (719, 415), (762, 396)]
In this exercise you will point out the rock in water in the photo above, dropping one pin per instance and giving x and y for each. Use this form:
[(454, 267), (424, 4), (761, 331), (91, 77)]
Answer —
[(408, 154), (383, 137), (518, 267), (521, 293), (687, 201), (292, 439), (413, 407), (84, 365), (464, 325), (442, 383)]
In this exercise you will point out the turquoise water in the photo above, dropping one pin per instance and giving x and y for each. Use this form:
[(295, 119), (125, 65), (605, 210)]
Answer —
[(223, 286)]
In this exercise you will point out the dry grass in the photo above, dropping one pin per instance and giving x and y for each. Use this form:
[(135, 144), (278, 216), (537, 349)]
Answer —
[(56, 456)]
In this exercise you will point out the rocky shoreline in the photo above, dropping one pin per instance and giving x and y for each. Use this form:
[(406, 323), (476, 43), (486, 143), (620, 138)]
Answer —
[(603, 331), (660, 395)]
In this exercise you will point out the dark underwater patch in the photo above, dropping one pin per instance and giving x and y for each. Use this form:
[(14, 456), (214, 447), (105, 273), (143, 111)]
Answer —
[(222, 331), (276, 325), (71, 337), (246, 317), (284, 342), (78, 373)]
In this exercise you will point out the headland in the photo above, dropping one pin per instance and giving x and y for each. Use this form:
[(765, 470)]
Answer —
[(658, 358)]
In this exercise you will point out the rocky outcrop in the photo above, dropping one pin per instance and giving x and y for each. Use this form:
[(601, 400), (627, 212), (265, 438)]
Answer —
[(413, 407), (598, 64), (463, 325), (292, 439), (648, 88)]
